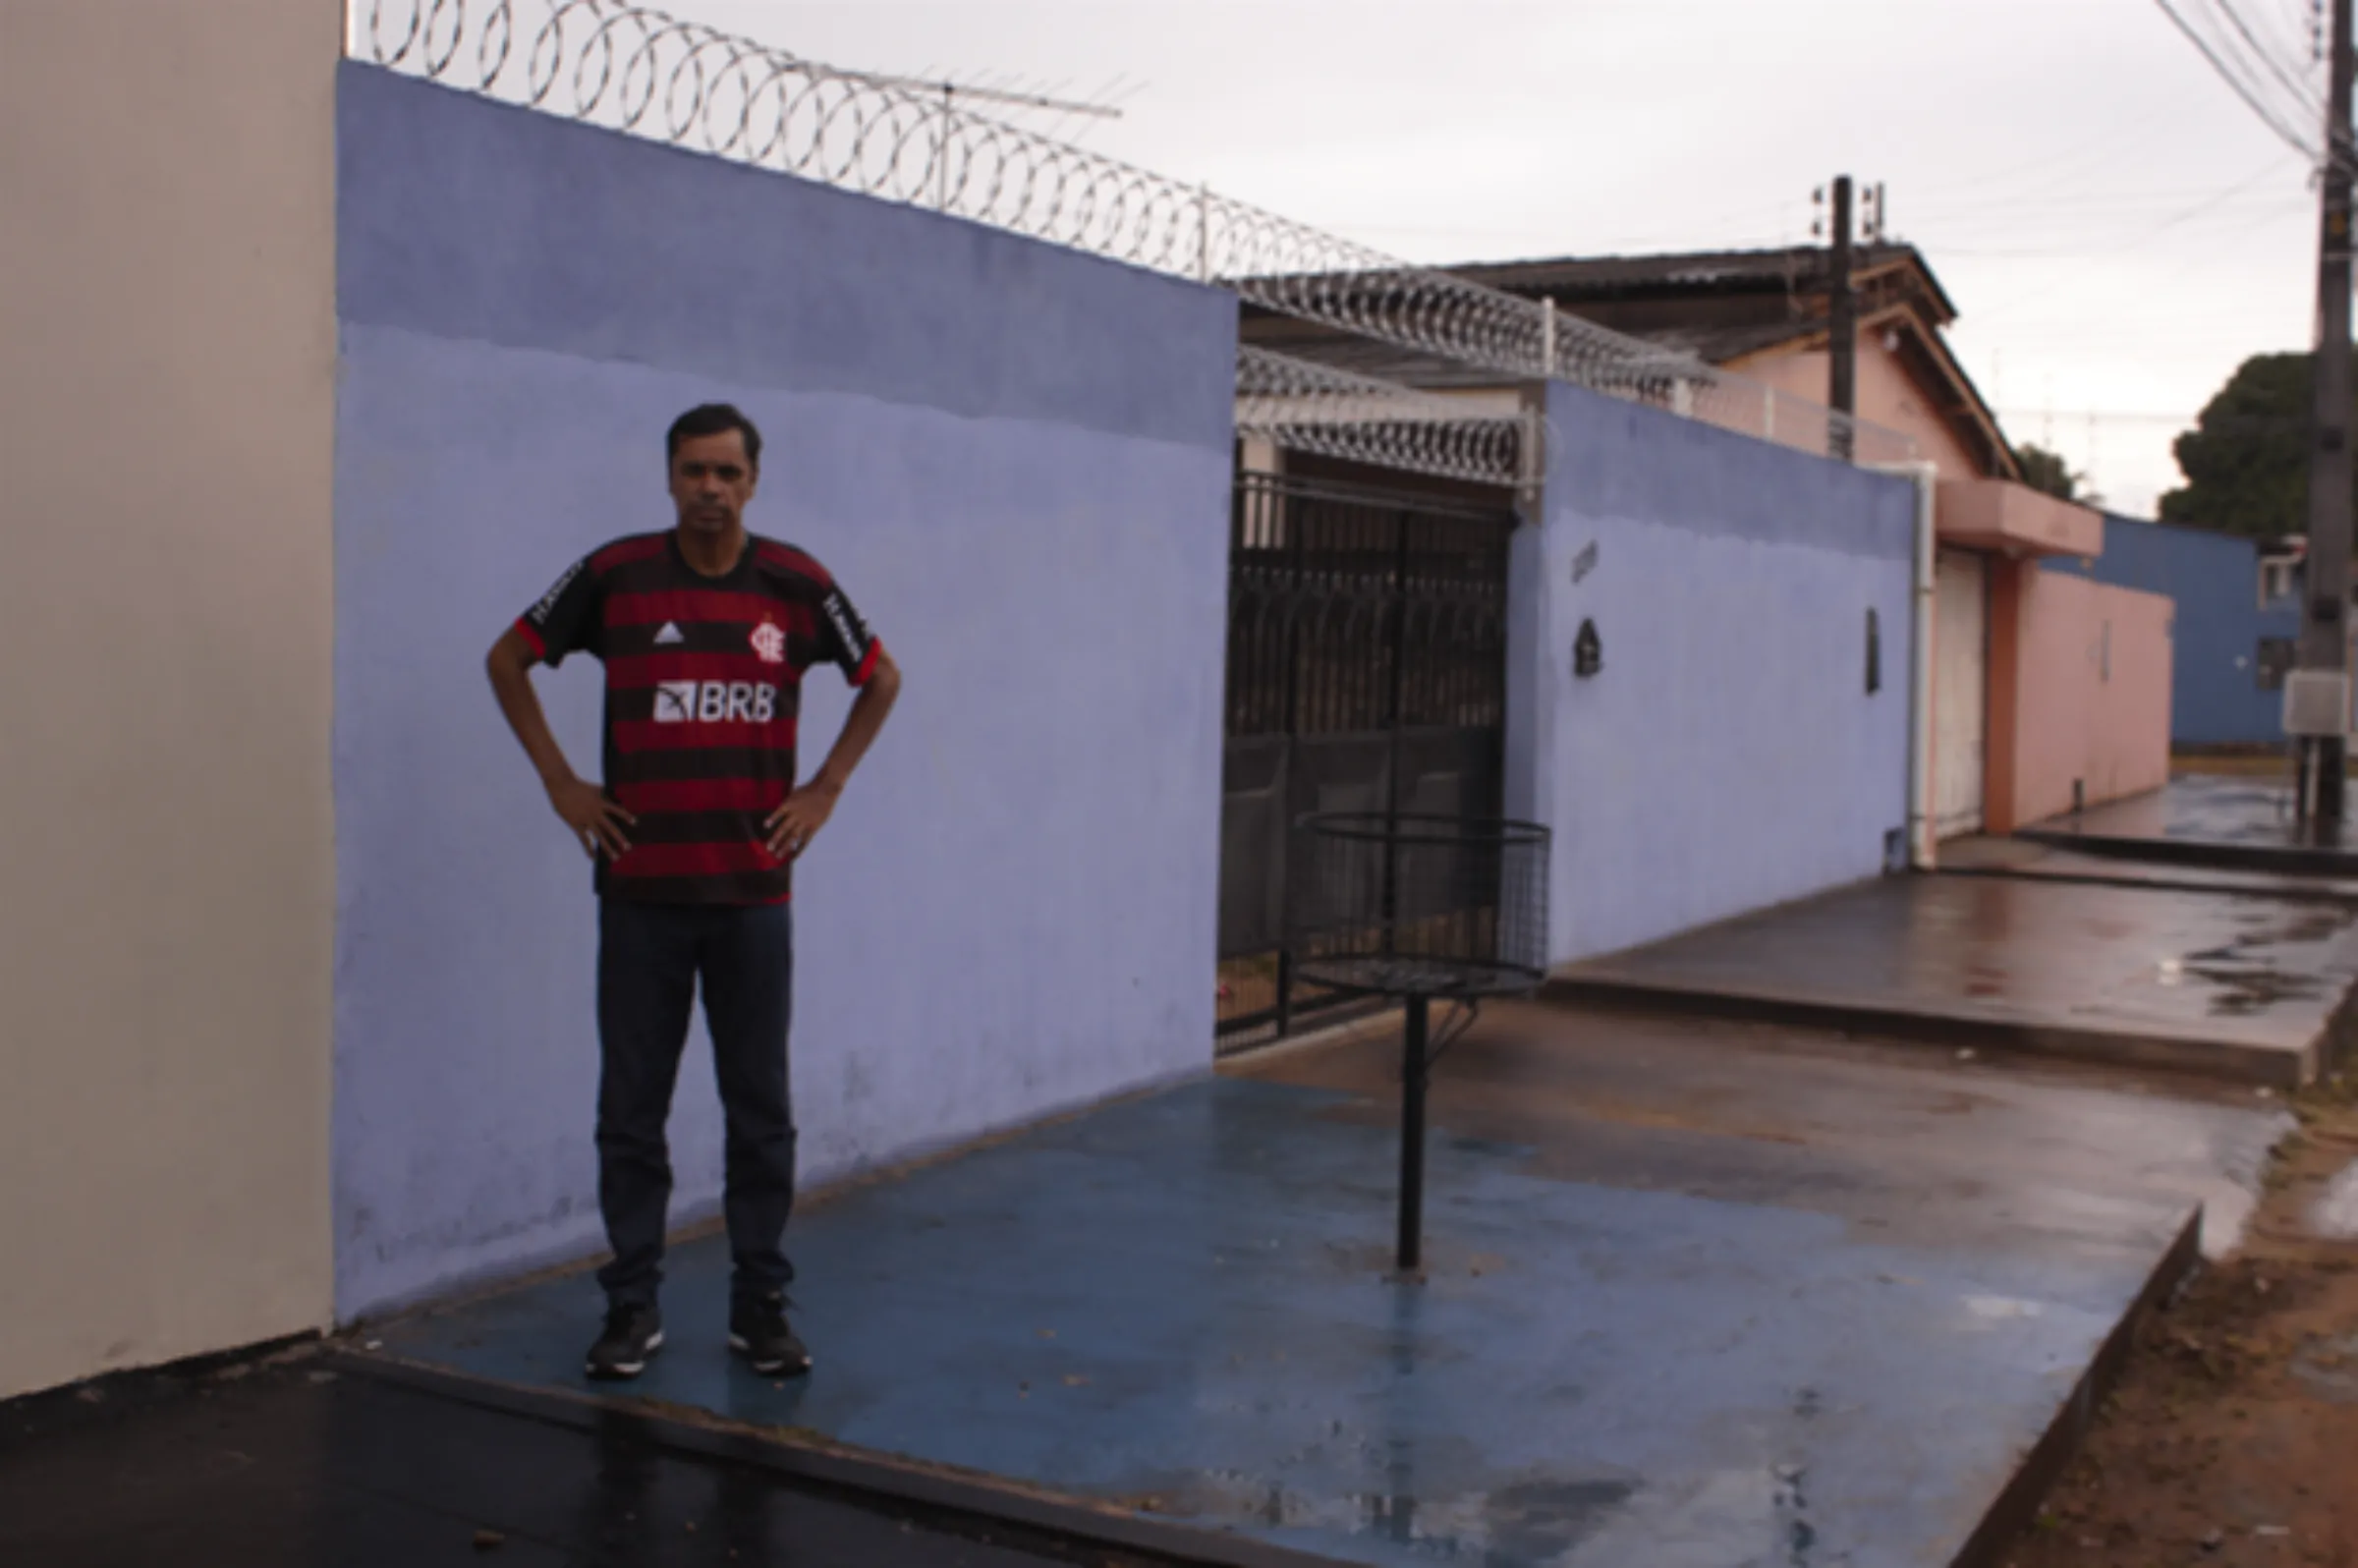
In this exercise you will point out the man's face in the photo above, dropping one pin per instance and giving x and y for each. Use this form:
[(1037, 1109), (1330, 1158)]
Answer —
[(711, 481)]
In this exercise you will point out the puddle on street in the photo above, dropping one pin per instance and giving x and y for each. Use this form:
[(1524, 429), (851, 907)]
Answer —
[(2241, 992), (2334, 1215), (2330, 1370), (1532, 1520), (1749, 1515)]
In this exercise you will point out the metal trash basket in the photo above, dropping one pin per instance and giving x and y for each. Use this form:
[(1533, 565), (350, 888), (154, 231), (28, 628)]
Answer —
[(1418, 907)]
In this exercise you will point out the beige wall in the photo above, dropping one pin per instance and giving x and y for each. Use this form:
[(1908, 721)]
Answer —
[(2079, 692), (167, 352), (1887, 395)]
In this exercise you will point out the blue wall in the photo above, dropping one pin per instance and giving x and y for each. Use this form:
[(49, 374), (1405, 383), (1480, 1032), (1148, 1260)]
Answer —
[(2215, 696), (1017, 461), (1728, 754)]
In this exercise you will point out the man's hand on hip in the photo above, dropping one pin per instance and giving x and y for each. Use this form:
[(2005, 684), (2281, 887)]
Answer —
[(794, 824), (596, 821)]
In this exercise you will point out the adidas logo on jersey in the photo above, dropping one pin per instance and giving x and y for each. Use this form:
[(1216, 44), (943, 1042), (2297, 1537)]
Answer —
[(670, 635)]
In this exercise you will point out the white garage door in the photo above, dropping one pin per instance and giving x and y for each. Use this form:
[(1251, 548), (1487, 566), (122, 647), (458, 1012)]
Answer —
[(1960, 691)]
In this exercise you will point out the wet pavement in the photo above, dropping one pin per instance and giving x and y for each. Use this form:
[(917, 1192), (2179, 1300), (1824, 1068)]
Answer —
[(1943, 1151), (2210, 819), (2240, 986), (303, 1465), (1696, 1295)]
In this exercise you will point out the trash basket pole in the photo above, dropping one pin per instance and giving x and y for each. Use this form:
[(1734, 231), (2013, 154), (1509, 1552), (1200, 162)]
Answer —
[(1413, 1068)]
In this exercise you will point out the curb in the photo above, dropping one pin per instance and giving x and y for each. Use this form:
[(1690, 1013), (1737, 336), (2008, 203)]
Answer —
[(955, 1502), (2185, 1054), (2282, 893), (2286, 860), (2017, 1502)]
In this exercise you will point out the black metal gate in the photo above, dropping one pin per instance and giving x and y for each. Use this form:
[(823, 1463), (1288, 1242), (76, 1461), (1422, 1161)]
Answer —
[(1366, 672)]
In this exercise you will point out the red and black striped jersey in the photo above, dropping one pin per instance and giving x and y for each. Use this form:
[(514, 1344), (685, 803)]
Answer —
[(704, 683)]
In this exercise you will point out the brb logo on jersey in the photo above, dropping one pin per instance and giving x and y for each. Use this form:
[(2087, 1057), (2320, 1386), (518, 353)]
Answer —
[(769, 642), (715, 701)]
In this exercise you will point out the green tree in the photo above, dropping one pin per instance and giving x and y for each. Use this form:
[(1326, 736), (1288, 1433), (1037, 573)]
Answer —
[(2046, 470), (2246, 461)]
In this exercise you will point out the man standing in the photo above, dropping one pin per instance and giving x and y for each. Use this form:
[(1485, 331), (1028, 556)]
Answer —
[(704, 631)]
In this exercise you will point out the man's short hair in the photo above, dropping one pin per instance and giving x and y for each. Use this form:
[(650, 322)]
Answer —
[(711, 418)]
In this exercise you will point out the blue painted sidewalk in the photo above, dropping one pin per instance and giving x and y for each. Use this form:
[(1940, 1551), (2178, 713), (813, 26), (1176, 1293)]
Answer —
[(1689, 1301)]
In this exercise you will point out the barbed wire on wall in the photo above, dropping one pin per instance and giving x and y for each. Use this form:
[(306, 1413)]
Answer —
[(631, 68), (1305, 407)]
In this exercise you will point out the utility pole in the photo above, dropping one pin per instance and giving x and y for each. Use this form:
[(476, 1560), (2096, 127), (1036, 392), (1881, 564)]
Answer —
[(2324, 630), (1842, 327)]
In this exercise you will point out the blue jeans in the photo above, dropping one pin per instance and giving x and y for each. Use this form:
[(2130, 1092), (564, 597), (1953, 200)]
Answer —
[(649, 959)]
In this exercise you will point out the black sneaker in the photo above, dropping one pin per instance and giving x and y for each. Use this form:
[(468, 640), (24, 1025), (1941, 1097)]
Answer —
[(758, 1331), (632, 1335)]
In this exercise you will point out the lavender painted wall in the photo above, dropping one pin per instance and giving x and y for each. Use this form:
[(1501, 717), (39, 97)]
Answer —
[(1016, 459), (1727, 754)]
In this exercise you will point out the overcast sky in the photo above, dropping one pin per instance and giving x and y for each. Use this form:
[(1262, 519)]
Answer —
[(2117, 230)]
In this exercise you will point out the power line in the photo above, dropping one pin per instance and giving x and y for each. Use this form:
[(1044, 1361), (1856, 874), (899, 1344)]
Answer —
[(2291, 137), (2102, 201), (2099, 415), (2100, 235), (2308, 106), (2210, 203), (2053, 173), (2302, 92)]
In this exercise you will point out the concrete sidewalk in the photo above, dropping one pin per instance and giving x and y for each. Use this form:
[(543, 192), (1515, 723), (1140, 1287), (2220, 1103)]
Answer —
[(2237, 985), (1696, 1296)]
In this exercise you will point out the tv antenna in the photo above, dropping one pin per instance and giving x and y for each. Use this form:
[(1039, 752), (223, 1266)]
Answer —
[(951, 91)]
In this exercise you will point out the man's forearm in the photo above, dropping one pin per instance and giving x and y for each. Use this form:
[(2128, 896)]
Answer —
[(519, 705), (860, 725)]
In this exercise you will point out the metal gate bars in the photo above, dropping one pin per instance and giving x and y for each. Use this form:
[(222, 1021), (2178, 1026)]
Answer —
[(1366, 672)]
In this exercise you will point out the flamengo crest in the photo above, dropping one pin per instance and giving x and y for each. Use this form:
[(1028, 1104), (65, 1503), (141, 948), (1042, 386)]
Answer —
[(769, 642)]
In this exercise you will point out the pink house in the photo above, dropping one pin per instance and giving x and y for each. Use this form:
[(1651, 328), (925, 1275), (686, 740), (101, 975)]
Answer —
[(2049, 691)]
